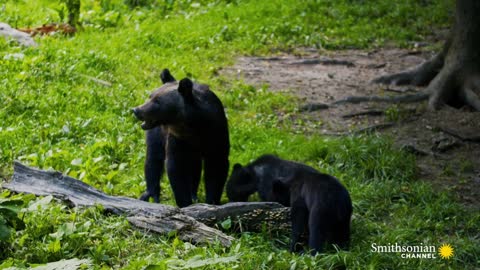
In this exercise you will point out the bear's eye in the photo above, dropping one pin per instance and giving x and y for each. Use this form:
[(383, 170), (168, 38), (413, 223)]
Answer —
[(157, 100)]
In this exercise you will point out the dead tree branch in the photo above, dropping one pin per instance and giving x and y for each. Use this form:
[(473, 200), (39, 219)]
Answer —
[(189, 223)]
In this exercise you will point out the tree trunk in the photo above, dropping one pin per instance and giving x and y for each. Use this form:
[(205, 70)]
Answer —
[(453, 75), (73, 7), (190, 223)]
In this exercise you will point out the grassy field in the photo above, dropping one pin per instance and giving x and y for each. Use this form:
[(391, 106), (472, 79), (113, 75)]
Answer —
[(53, 116)]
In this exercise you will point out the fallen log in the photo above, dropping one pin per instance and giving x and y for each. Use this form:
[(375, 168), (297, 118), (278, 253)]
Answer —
[(190, 223)]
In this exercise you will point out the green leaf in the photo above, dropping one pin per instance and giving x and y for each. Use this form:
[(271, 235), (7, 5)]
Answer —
[(5, 232), (40, 204), (76, 162), (54, 246), (71, 264), (155, 267), (196, 262), (226, 224)]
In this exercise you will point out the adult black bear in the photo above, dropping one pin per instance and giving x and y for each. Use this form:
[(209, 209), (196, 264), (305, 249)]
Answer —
[(320, 203), (185, 124)]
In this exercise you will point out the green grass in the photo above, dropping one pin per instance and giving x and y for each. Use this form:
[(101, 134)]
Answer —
[(53, 117)]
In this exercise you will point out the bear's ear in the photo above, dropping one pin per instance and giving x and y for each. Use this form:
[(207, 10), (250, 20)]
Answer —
[(185, 87), (166, 76), (237, 166)]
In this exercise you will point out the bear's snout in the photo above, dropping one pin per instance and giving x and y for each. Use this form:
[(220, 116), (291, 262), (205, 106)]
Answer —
[(137, 114)]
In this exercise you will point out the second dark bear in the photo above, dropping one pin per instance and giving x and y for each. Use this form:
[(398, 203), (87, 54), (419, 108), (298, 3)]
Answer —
[(185, 124), (320, 204)]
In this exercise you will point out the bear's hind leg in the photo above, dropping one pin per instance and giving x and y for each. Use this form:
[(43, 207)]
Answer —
[(196, 176), (341, 235), (215, 175), (318, 228)]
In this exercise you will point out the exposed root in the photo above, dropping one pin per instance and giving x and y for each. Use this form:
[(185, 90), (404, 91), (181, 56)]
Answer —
[(323, 61), (460, 135), (410, 148), (369, 112), (310, 107), (376, 66), (418, 76), (400, 90), (443, 87), (269, 58), (374, 127), (395, 99), (471, 98), (311, 61), (362, 130)]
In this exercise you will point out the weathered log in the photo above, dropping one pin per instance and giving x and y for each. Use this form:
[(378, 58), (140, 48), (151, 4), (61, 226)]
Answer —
[(189, 223), (248, 216)]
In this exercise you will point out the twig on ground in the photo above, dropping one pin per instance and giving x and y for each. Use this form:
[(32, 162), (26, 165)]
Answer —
[(99, 81)]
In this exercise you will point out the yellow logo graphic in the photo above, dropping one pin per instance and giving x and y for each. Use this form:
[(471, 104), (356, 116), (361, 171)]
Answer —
[(446, 251)]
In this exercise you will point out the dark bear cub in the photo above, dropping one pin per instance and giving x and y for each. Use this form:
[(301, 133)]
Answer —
[(320, 204), (185, 126)]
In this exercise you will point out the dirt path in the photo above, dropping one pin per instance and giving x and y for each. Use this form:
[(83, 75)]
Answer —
[(449, 162)]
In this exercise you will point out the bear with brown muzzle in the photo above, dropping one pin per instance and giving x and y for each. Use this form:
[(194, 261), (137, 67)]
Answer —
[(187, 129)]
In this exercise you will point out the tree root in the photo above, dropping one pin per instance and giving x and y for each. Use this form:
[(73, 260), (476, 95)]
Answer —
[(362, 113), (420, 75), (400, 90), (374, 127), (460, 135), (324, 61), (361, 130), (310, 107), (410, 148), (392, 99), (441, 91), (471, 98)]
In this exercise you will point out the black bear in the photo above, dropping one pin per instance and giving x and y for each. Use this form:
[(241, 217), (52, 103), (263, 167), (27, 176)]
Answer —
[(320, 204), (185, 125)]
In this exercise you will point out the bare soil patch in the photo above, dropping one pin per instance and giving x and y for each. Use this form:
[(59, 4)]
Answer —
[(446, 142)]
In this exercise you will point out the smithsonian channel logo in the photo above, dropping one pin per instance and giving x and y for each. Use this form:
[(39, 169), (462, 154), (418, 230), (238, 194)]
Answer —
[(421, 251)]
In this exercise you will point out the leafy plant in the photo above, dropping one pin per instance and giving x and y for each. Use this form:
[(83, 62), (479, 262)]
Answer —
[(392, 113), (9, 220), (73, 8)]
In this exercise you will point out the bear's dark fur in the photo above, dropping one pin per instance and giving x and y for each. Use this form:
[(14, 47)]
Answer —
[(320, 204), (185, 125)]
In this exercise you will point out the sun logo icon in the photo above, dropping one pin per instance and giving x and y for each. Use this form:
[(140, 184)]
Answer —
[(446, 251)]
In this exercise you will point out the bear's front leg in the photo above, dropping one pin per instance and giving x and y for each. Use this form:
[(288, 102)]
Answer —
[(154, 163), (299, 216), (182, 167)]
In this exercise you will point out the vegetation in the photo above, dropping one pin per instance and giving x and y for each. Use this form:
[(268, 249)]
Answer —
[(55, 116)]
